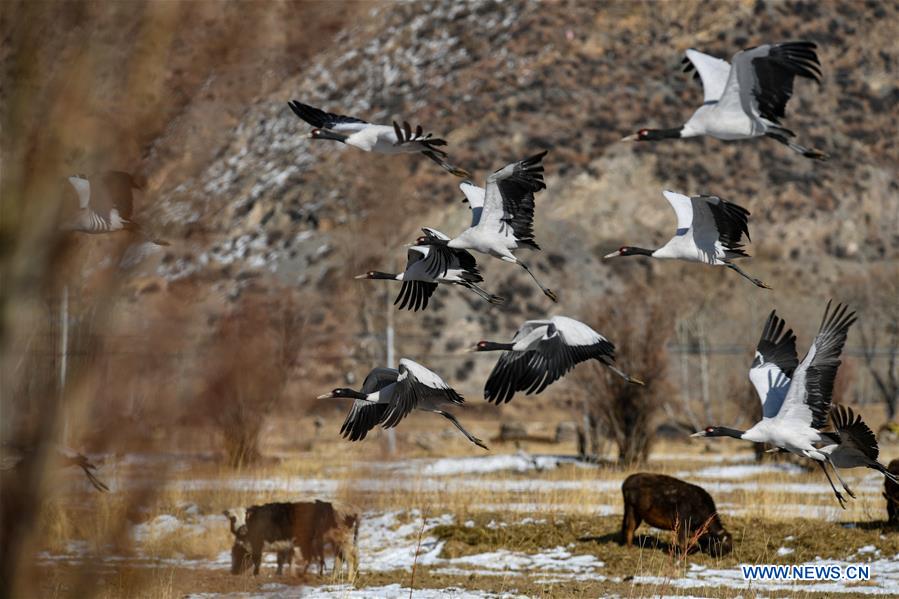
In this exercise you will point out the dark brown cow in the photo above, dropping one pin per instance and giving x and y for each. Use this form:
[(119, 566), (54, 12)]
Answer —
[(671, 504), (311, 526), (891, 493)]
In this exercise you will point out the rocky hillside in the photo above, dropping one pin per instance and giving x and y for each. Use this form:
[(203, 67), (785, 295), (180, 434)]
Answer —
[(254, 206)]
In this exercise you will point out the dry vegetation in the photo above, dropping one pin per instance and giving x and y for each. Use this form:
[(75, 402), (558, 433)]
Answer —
[(568, 514), (191, 379)]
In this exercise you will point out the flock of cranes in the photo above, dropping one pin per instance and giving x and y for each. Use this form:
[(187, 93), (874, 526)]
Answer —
[(742, 99)]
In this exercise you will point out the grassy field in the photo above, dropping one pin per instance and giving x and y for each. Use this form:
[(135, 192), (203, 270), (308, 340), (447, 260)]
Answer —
[(519, 521)]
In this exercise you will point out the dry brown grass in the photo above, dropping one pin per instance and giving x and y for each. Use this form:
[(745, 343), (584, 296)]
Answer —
[(563, 515)]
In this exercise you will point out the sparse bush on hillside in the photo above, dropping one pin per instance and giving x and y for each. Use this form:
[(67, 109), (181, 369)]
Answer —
[(639, 325)]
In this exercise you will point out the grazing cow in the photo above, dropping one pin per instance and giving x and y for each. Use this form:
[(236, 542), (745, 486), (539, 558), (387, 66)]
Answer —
[(258, 528), (311, 526), (671, 504), (891, 493)]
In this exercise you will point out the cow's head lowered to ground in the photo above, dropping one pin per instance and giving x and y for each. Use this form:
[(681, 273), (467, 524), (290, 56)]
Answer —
[(237, 516)]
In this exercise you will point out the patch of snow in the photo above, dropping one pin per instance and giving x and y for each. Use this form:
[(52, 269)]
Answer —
[(742, 471), (535, 507), (519, 462), (785, 551), (553, 560), (701, 457), (159, 526)]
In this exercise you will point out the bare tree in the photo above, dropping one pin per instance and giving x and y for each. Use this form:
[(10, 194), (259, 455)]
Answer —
[(640, 326), (876, 297), (255, 349)]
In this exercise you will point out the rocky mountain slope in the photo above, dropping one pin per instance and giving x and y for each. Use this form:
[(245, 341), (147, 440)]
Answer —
[(254, 206)]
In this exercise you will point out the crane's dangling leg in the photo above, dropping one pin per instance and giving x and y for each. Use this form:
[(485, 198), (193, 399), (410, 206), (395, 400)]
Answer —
[(835, 492), (547, 292), (743, 273), (455, 170), (607, 361), (840, 478), (783, 136), (471, 437), (489, 297), (875, 465)]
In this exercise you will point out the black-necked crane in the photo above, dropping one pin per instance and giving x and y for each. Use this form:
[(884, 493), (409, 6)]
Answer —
[(381, 139), (17, 458), (709, 231), (795, 398), (105, 204), (747, 98), (503, 214), (388, 395), (541, 352), (853, 444), (430, 262)]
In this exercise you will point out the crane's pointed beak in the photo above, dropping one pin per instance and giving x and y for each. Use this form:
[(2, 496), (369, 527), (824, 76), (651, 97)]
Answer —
[(326, 396), (365, 276), (699, 434), (630, 138), (614, 254)]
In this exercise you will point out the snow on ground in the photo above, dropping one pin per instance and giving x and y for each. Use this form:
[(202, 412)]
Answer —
[(742, 471), (387, 542), (391, 591), (884, 579), (557, 560), (597, 509), (395, 540), (518, 462), (390, 541), (702, 457)]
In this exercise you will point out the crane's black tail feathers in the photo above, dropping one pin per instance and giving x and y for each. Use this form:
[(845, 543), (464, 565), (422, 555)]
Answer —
[(405, 135)]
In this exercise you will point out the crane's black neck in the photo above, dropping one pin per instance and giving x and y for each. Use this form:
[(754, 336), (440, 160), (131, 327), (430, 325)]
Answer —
[(492, 346), (723, 431), (377, 274), (657, 134), (326, 134), (349, 393), (635, 251)]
